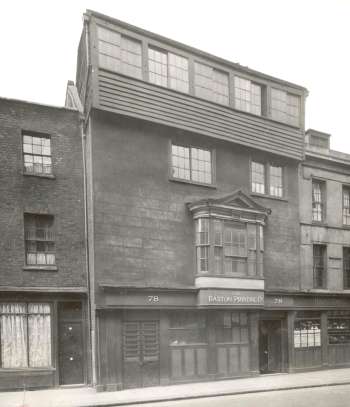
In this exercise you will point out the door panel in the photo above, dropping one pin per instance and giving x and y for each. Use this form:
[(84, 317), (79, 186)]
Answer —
[(141, 353), (70, 344), (270, 346)]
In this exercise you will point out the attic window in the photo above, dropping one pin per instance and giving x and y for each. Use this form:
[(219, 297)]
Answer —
[(318, 141)]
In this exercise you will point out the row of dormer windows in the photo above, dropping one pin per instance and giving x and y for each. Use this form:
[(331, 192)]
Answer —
[(123, 54)]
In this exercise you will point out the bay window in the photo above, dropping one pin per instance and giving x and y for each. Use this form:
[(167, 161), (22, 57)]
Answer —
[(25, 332), (222, 246)]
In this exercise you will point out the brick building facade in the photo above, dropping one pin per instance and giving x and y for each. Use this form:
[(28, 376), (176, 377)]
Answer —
[(43, 281)]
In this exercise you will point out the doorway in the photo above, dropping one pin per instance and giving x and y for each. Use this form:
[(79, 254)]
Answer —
[(270, 346), (141, 353), (70, 343)]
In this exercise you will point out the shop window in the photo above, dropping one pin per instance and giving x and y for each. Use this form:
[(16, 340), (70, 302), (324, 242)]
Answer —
[(37, 158), (39, 239), (346, 206), (119, 53), (318, 201), (25, 332), (211, 84), (339, 328), (319, 265), (168, 69), (191, 164), (187, 328), (307, 333), (232, 327)]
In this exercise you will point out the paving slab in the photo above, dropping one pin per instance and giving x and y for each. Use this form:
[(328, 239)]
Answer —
[(88, 397)]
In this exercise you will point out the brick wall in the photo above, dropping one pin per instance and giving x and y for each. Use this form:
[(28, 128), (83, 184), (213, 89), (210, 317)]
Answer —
[(144, 232), (61, 196)]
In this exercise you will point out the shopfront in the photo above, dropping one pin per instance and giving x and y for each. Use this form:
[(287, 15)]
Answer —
[(190, 336), (43, 340)]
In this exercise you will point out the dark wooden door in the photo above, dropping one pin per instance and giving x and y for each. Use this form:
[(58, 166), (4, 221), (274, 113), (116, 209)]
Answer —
[(141, 353), (270, 346), (70, 344)]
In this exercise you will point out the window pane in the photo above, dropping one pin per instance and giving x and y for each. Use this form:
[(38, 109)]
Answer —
[(276, 182), (293, 110), (307, 333), (39, 335), (158, 67), (131, 61), (201, 165), (178, 73), (258, 177), (317, 201), (319, 265), (39, 237), (13, 324), (211, 84), (180, 162), (203, 81), (34, 150), (279, 105), (247, 95), (346, 206)]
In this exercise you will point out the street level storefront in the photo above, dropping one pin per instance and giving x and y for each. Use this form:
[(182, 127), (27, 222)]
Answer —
[(304, 331), (43, 340), (155, 336)]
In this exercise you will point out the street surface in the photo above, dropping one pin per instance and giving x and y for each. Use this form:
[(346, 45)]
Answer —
[(331, 396)]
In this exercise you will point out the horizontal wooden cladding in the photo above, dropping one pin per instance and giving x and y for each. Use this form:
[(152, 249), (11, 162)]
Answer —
[(119, 94)]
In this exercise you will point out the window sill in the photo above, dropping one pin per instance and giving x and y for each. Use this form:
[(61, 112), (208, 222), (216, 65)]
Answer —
[(228, 276), (200, 184), (40, 268), (276, 198), (27, 370), (319, 223), (48, 176)]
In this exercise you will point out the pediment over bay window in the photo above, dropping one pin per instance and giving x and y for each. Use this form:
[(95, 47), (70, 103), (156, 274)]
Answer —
[(229, 235)]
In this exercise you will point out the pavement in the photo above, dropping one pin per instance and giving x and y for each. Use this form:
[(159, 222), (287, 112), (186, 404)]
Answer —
[(88, 397)]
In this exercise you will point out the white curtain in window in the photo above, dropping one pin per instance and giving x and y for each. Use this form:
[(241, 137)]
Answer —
[(39, 332), (13, 335)]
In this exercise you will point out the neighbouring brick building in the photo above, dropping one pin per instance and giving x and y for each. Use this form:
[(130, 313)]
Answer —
[(43, 281)]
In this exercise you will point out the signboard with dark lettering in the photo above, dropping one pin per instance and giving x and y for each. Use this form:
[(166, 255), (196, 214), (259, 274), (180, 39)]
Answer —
[(231, 298)]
